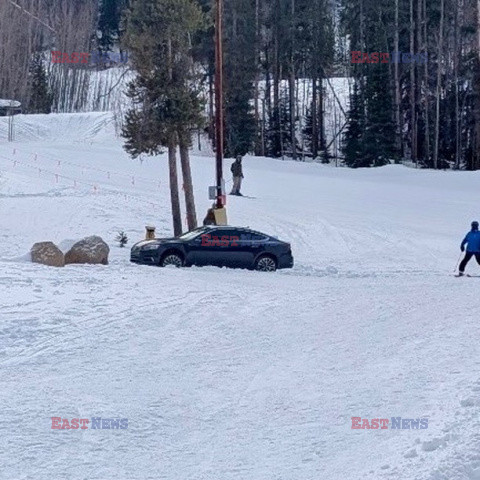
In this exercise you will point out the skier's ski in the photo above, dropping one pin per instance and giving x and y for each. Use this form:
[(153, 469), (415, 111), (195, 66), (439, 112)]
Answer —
[(243, 196)]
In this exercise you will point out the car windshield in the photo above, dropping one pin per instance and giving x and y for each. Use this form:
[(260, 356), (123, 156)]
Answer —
[(193, 234)]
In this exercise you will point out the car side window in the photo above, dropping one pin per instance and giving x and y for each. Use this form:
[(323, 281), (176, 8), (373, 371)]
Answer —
[(256, 237)]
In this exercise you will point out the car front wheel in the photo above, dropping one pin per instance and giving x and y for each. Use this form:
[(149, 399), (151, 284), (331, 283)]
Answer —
[(266, 264), (172, 259)]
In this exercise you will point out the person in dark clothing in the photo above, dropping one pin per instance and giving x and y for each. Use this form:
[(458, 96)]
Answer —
[(210, 217), (472, 241), (237, 171)]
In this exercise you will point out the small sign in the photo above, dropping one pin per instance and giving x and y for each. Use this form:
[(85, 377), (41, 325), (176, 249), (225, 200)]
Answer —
[(212, 193)]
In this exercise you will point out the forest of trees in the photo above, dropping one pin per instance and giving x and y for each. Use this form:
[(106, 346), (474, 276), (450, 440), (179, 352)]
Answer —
[(426, 113)]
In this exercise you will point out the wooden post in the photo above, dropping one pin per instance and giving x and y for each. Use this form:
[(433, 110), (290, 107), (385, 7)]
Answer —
[(219, 101), (150, 233)]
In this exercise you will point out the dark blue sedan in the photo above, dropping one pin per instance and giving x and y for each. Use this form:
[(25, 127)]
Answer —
[(231, 247)]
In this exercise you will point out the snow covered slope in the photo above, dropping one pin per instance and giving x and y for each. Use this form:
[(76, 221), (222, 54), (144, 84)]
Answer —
[(229, 374)]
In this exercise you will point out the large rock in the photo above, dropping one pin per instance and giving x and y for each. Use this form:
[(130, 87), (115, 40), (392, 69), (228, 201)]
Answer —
[(47, 253), (92, 250)]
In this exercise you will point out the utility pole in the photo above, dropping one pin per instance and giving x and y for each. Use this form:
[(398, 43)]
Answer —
[(219, 100), (219, 210), (217, 215)]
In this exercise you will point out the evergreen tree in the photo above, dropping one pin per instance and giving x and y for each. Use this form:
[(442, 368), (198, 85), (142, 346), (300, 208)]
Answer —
[(317, 44), (109, 23), (166, 92), (370, 139), (379, 136), (353, 139), (239, 69), (41, 97)]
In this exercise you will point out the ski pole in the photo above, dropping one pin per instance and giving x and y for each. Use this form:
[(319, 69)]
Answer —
[(458, 263)]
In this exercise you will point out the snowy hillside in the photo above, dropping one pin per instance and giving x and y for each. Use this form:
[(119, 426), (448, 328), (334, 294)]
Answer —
[(234, 375)]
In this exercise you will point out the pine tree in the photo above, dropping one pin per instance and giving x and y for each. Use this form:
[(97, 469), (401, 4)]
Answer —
[(370, 139), (41, 97), (109, 20), (122, 239), (353, 149), (166, 92), (379, 136), (240, 70)]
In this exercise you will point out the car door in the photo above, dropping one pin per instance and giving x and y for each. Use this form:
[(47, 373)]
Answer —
[(210, 248), (242, 249), (195, 252), (236, 253), (225, 247), (252, 245)]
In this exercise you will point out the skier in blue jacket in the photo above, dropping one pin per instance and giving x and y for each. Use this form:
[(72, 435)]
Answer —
[(472, 241)]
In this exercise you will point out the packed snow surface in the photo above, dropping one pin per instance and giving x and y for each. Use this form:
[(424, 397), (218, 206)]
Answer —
[(234, 375)]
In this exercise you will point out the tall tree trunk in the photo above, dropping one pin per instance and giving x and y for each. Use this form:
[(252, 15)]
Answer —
[(174, 196), (276, 88), (184, 142), (211, 102), (413, 113), (291, 81), (456, 56), (172, 161), (398, 131), (321, 118), (363, 48), (268, 89), (257, 78), (439, 80), (418, 76), (476, 159), (314, 119), (426, 86)]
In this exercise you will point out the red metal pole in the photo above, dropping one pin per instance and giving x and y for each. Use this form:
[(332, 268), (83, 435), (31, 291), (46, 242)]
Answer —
[(219, 99)]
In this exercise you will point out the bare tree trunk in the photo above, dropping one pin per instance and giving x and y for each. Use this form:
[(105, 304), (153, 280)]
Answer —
[(211, 115), (321, 117), (426, 86), (413, 116), (276, 88), (476, 155), (264, 123), (456, 56), (291, 82), (268, 87), (174, 196), (172, 161), (257, 77), (398, 136), (418, 76), (314, 119), (184, 142), (439, 80)]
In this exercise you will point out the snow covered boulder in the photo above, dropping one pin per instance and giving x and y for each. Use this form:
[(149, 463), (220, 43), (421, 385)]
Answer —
[(47, 253), (91, 250)]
